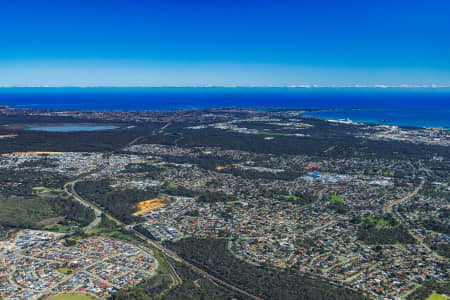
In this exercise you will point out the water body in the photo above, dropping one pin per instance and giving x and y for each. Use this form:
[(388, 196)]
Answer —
[(408, 107), (421, 117), (70, 128)]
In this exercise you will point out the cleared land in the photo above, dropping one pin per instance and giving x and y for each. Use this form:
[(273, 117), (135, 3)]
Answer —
[(147, 206), (70, 297), (435, 296)]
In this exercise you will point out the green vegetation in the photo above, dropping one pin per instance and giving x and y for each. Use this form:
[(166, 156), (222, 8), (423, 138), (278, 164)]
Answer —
[(436, 296), (383, 230), (292, 198), (58, 228), (435, 191), (322, 136), (156, 287), (120, 203), (37, 212), (213, 256), (442, 249), (85, 141), (336, 203), (194, 286), (65, 270), (429, 289), (305, 243), (70, 297), (3, 233), (151, 172), (20, 183), (110, 229), (439, 224), (44, 162), (334, 199), (254, 174), (35, 199), (285, 196), (298, 198)]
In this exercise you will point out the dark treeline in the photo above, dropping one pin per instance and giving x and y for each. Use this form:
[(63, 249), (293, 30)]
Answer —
[(296, 197), (150, 289), (253, 174), (23, 207), (83, 141), (194, 286), (437, 225), (213, 256), (21, 182), (44, 162), (384, 230), (151, 172), (339, 207), (429, 287), (176, 190), (120, 203), (442, 249), (344, 145), (28, 212), (323, 136), (207, 162)]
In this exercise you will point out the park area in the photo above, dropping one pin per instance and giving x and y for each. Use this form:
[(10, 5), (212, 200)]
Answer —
[(70, 297), (436, 296)]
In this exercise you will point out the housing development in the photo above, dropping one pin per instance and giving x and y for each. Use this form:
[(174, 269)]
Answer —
[(360, 209), (36, 263)]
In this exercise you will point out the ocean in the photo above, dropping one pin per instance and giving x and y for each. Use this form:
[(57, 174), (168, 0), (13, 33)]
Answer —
[(427, 107)]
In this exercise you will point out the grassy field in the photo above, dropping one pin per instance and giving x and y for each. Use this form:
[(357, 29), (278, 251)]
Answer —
[(70, 297), (47, 190), (335, 198), (65, 270), (435, 296), (290, 197)]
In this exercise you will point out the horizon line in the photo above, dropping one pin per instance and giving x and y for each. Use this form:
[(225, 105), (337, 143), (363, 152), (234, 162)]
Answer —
[(307, 86)]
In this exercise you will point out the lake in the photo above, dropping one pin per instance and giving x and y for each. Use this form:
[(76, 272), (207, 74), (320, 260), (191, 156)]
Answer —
[(70, 127)]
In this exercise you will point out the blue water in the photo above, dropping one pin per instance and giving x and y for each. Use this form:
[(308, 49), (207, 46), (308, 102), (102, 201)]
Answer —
[(413, 107), (70, 128), (422, 117)]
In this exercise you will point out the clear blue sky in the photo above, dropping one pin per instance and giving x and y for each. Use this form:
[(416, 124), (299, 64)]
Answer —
[(246, 42)]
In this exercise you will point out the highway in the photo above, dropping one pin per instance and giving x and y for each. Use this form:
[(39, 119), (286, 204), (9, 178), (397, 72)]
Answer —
[(391, 204), (69, 189), (169, 253)]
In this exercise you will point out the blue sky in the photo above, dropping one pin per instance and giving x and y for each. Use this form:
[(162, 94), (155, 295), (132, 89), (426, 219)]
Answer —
[(154, 43)]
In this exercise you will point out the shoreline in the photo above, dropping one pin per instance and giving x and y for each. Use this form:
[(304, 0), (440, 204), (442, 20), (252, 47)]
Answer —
[(355, 120), (310, 112)]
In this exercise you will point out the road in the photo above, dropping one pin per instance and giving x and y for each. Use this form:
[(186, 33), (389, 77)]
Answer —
[(70, 189), (169, 253), (391, 204), (161, 130), (389, 209)]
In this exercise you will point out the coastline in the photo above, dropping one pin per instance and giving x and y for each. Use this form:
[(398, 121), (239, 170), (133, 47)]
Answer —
[(380, 116), (407, 116)]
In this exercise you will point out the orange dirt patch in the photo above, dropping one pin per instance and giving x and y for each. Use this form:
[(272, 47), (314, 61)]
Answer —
[(144, 207), (30, 152)]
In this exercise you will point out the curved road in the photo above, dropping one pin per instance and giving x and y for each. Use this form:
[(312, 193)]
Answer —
[(70, 189), (389, 209), (169, 253)]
